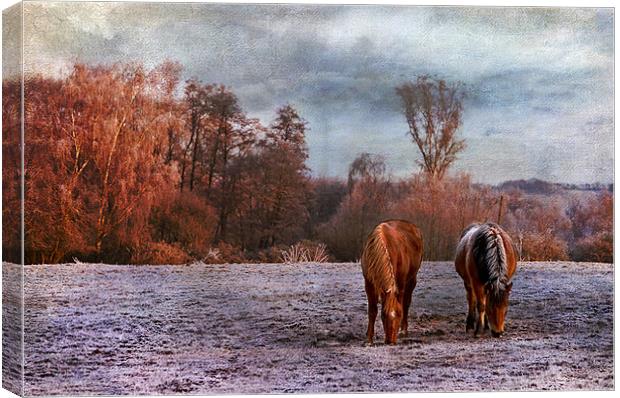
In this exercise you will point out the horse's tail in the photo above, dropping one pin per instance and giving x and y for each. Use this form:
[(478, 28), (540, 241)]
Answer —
[(490, 256), (376, 263)]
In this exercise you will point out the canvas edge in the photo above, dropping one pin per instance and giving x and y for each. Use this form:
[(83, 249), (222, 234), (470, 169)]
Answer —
[(12, 273)]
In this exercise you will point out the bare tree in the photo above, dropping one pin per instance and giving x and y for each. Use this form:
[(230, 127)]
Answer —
[(366, 166), (433, 109)]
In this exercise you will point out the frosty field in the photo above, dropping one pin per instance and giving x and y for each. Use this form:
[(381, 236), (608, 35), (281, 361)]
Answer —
[(206, 329)]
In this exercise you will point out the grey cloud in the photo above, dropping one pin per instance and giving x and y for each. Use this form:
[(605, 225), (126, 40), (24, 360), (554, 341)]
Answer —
[(536, 78)]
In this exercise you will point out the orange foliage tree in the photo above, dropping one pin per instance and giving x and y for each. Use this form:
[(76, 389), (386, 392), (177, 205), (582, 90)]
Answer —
[(93, 163), (11, 170), (539, 229), (362, 208), (442, 209), (592, 227)]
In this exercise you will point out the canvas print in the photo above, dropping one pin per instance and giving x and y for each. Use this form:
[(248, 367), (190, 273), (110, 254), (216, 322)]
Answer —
[(204, 198)]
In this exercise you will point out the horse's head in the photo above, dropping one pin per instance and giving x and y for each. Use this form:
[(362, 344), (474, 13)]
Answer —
[(497, 307), (391, 316)]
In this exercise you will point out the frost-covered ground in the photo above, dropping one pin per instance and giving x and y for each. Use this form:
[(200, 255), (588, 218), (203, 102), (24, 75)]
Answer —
[(202, 329)]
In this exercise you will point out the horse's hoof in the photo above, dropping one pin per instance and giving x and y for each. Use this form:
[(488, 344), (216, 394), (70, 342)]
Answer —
[(369, 344), (469, 323)]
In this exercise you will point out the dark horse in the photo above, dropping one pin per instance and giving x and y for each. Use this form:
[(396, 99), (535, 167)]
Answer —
[(390, 262), (486, 260)]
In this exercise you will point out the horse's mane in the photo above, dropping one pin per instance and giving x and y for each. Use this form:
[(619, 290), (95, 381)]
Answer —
[(469, 228), (490, 256), (376, 264), (464, 238)]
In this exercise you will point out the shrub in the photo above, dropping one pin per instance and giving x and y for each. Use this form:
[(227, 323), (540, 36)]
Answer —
[(442, 209), (592, 227), (539, 228), (184, 219), (224, 253), (346, 232), (599, 248), (543, 247), (305, 252), (159, 253), (270, 255)]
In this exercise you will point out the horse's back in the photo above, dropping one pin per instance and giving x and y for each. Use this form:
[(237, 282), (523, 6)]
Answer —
[(405, 246), (460, 261), (405, 228), (465, 263), (511, 253), (509, 249)]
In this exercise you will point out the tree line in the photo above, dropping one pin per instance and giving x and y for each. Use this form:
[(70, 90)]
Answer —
[(125, 164)]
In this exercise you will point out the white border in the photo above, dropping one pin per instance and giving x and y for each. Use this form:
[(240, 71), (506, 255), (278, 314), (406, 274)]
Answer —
[(485, 3)]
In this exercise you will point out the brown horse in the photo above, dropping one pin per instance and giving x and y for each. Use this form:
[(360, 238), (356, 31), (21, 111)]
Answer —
[(486, 260), (390, 262)]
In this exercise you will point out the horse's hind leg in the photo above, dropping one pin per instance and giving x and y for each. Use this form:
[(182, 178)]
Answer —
[(471, 309), (372, 311), (404, 324), (481, 304)]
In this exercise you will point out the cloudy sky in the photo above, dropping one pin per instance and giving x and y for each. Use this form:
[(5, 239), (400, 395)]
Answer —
[(539, 80)]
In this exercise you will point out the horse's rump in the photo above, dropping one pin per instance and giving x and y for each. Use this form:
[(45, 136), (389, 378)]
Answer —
[(376, 263), (390, 246), (491, 253)]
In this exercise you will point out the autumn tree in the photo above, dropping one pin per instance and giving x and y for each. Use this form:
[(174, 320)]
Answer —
[(366, 204), (284, 178), (592, 228), (53, 163), (442, 209), (227, 136), (230, 139), (11, 170), (94, 161), (164, 81), (539, 228), (433, 109), (128, 167), (326, 195), (195, 111), (367, 167)]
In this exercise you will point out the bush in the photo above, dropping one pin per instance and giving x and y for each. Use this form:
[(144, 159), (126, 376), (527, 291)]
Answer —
[(270, 255), (598, 248), (442, 209), (186, 220), (592, 226), (305, 252), (539, 228), (543, 247), (225, 253), (159, 253), (359, 212)]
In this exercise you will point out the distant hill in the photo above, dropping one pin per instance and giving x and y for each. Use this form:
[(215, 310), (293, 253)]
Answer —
[(536, 186)]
